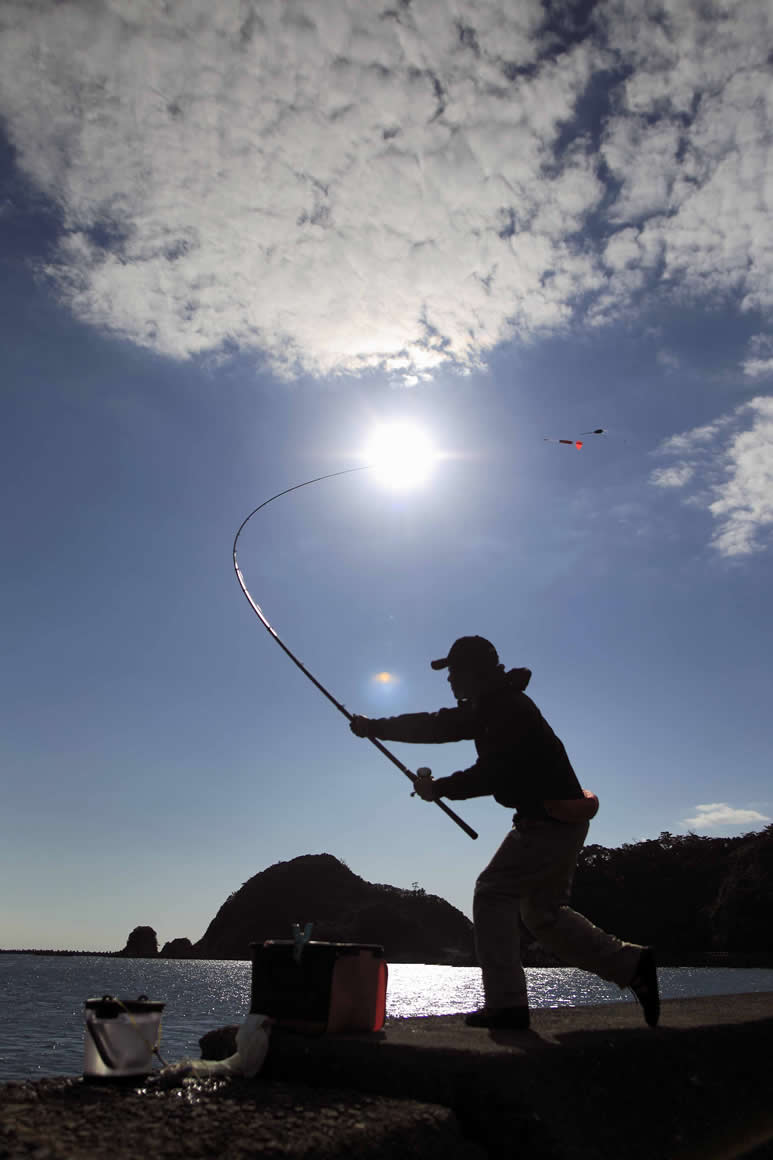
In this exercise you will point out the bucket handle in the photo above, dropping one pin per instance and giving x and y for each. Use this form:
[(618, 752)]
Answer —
[(100, 1045)]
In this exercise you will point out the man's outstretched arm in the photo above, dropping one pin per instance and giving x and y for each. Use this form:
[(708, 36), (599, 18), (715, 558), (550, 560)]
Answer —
[(422, 728)]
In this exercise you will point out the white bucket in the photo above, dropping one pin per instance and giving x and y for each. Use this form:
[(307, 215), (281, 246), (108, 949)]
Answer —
[(121, 1037)]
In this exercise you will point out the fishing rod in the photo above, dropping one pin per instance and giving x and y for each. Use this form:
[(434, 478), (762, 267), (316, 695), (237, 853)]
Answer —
[(267, 625)]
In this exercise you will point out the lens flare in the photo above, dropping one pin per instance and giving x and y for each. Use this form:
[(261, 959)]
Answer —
[(401, 454)]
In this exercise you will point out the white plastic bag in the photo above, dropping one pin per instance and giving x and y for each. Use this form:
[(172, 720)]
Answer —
[(252, 1040)]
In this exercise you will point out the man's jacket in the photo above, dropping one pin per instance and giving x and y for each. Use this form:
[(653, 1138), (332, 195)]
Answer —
[(520, 762)]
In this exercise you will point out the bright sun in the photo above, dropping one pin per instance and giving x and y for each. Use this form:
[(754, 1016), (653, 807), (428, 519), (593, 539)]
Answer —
[(401, 454)]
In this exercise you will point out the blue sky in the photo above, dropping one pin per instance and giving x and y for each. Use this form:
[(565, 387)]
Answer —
[(233, 242)]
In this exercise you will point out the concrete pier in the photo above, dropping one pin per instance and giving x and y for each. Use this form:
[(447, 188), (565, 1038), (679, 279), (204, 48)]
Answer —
[(590, 1083)]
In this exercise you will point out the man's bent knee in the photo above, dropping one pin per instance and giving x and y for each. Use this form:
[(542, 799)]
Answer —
[(493, 884), (541, 919), (488, 891)]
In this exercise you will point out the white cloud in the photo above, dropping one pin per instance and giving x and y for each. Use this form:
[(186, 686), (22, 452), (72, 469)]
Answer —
[(718, 815), (668, 360), (689, 147), (698, 437), (644, 157), (730, 462), (744, 503), (672, 476), (760, 363), (758, 368), (344, 184)]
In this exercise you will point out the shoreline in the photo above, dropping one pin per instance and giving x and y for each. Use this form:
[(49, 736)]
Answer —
[(666, 958)]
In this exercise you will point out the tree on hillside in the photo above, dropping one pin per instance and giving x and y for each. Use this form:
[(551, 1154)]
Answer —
[(656, 892), (740, 914)]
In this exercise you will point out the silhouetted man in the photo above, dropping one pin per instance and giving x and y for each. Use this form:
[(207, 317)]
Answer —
[(525, 767)]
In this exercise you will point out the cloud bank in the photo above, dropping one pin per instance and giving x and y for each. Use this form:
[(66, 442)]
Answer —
[(759, 364), (717, 815), (347, 184), (729, 467)]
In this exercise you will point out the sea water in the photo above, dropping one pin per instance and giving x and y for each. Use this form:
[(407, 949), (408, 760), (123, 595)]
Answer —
[(42, 997)]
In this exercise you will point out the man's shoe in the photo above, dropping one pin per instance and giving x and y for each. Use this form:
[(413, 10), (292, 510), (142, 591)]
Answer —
[(500, 1018), (645, 986)]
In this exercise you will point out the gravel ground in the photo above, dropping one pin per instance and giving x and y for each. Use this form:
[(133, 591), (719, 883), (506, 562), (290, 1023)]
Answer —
[(232, 1119)]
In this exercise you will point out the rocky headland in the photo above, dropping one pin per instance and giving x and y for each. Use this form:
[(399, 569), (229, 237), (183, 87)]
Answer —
[(412, 926)]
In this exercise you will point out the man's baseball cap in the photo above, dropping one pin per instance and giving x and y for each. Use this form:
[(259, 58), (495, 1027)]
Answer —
[(469, 652)]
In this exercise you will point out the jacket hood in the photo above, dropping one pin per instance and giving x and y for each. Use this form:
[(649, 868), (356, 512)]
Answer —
[(518, 679)]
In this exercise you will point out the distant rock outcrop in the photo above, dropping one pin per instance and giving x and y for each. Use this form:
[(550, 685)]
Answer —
[(412, 927), (142, 943), (177, 948)]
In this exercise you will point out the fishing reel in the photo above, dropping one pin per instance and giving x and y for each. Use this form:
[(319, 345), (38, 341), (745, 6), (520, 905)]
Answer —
[(422, 773)]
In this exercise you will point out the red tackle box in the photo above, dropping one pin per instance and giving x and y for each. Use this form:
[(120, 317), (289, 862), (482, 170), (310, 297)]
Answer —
[(331, 987)]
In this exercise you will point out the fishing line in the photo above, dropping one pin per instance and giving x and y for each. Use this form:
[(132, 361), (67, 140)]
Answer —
[(318, 684)]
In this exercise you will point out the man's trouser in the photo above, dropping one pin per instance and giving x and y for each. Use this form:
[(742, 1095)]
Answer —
[(532, 872)]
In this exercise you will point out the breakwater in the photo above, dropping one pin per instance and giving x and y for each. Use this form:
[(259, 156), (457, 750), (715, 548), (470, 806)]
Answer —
[(590, 1083)]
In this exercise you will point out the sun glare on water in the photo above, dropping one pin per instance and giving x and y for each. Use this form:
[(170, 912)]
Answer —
[(401, 455)]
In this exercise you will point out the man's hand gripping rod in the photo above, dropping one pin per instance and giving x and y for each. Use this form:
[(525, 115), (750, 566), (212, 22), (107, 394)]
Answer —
[(341, 708), (413, 778)]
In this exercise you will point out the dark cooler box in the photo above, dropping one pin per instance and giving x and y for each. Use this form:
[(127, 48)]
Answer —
[(334, 987)]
